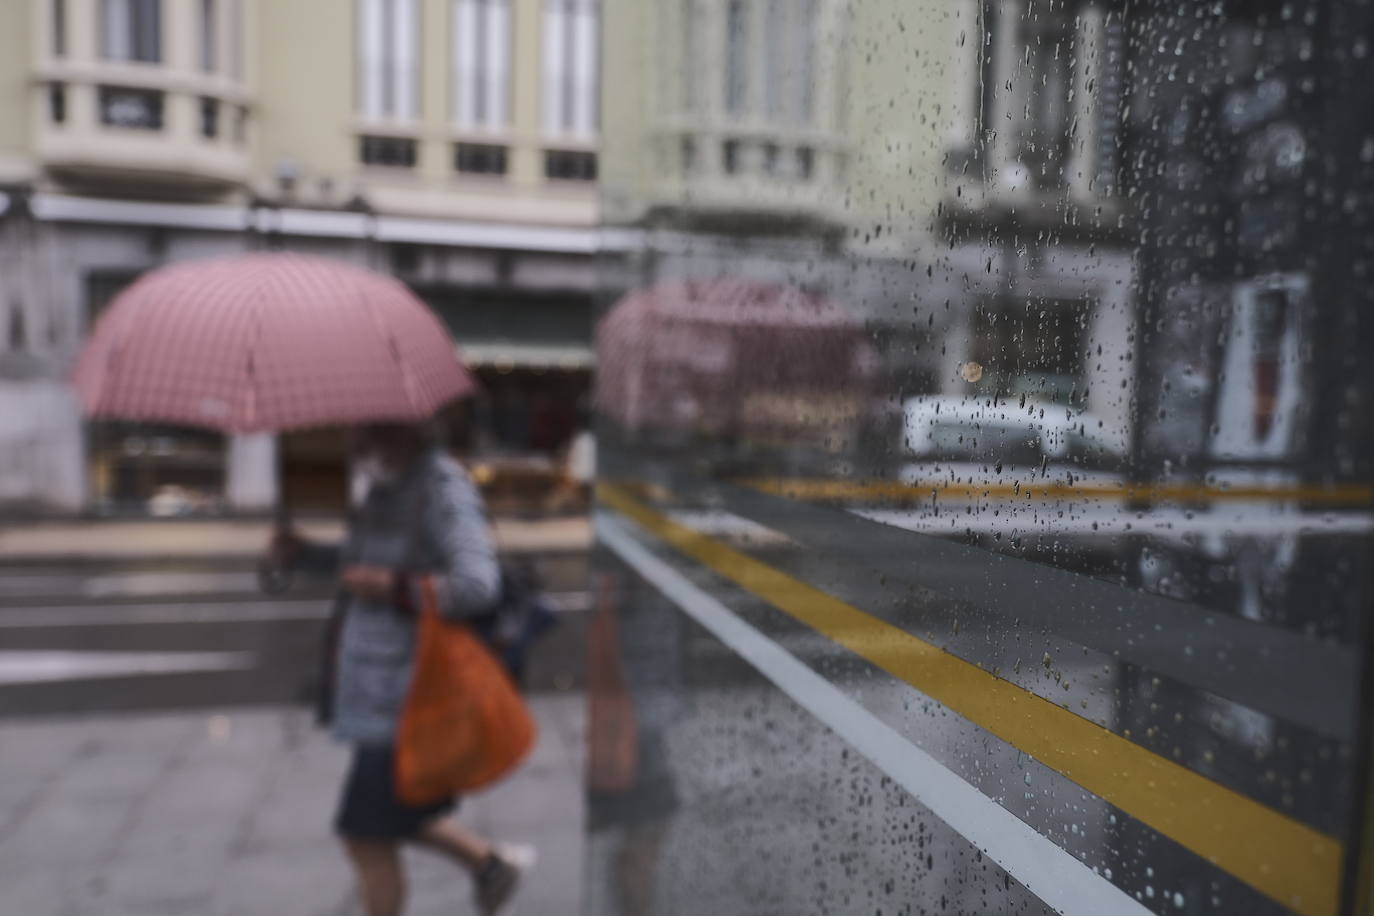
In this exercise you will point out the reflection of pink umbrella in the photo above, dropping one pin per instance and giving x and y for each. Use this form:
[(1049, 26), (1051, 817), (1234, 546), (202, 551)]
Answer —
[(700, 354), (268, 341)]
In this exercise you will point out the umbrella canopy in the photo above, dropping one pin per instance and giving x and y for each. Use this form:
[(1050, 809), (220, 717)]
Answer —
[(268, 341), (729, 353)]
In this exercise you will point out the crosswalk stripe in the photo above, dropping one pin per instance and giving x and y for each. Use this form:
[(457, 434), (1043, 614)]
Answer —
[(43, 666)]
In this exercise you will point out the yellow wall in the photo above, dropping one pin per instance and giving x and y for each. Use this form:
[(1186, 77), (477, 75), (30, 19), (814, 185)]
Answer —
[(16, 31), (306, 76), (626, 116), (300, 74), (304, 86), (904, 85), (903, 79)]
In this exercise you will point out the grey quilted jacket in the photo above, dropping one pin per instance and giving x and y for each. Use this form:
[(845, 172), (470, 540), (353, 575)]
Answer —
[(428, 521)]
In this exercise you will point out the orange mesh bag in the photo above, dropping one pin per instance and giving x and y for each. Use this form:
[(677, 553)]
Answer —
[(613, 738), (464, 725)]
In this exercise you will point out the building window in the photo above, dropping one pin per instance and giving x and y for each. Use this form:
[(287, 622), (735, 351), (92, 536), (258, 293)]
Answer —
[(18, 332), (729, 157), (131, 30), (480, 159), (393, 152), (59, 28), (789, 55), (571, 68), (209, 36), (406, 259), (771, 155), (737, 57), (570, 165), (388, 59), (1036, 348), (240, 125), (1110, 95), (691, 52), (164, 471), (481, 63), (1048, 81), (57, 103), (209, 118), (806, 162), (687, 151), (137, 109)]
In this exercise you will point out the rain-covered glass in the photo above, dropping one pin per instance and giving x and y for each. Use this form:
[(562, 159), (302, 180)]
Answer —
[(986, 493)]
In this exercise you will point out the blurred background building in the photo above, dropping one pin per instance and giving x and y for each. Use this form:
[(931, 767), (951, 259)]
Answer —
[(454, 143), (882, 154), (967, 178), (951, 173)]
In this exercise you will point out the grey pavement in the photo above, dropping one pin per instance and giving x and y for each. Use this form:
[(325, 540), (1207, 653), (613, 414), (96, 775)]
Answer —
[(226, 813)]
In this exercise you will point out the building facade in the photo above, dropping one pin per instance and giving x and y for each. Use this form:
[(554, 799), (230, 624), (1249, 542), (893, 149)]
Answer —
[(851, 147), (454, 143)]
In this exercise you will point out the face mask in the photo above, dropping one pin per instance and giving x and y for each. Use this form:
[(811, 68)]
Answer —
[(371, 466)]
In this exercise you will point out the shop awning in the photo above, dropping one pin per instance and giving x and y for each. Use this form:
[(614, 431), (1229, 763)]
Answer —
[(521, 355)]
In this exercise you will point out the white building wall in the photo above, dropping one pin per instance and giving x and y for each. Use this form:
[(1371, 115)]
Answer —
[(41, 447), (251, 483)]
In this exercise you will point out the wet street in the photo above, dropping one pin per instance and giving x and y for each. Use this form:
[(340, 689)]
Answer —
[(161, 757), (74, 641), (191, 635)]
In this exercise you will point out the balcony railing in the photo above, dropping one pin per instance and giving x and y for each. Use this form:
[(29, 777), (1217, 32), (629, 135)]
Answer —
[(760, 169), (116, 123)]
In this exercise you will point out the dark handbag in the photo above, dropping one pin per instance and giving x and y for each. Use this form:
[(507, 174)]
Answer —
[(520, 619)]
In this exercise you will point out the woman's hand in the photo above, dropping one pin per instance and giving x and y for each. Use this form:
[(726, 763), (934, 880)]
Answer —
[(371, 583)]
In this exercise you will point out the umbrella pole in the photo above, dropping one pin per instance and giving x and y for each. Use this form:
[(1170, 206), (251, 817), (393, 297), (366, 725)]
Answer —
[(274, 576)]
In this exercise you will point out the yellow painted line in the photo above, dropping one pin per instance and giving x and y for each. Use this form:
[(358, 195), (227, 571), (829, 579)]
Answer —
[(821, 490), (1282, 858)]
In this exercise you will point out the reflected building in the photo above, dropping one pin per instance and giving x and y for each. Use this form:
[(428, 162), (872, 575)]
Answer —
[(886, 155)]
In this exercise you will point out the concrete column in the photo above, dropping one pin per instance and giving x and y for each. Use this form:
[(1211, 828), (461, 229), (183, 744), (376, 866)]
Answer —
[(1086, 82), (1111, 376), (1006, 60), (527, 94), (66, 487), (965, 75), (41, 450), (251, 483), (436, 158), (180, 37), (40, 33), (83, 30)]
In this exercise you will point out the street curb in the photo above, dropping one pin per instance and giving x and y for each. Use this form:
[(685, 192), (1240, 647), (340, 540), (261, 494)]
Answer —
[(232, 561)]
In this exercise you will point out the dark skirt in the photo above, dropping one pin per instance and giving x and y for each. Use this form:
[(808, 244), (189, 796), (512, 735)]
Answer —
[(368, 806)]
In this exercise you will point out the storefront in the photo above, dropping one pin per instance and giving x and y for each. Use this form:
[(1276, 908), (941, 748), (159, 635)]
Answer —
[(147, 469)]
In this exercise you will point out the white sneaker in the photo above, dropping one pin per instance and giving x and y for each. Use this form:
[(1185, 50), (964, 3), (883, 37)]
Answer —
[(499, 877)]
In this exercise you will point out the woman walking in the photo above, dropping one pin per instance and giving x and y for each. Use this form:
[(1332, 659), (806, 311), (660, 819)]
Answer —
[(421, 516)]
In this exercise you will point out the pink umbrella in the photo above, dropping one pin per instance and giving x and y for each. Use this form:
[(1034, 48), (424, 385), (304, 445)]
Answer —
[(268, 341), (716, 353)]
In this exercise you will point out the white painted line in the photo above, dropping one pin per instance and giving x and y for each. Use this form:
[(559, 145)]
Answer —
[(39, 667), (168, 583), (1049, 872), (728, 526), (1106, 521)]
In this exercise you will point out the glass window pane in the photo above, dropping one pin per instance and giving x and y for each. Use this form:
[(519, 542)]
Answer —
[(984, 383), (209, 36)]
